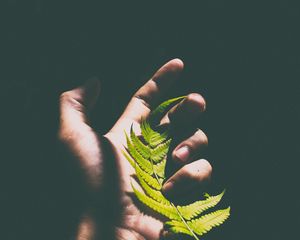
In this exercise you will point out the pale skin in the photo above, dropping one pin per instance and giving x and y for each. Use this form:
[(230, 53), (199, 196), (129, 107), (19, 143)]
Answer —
[(104, 167)]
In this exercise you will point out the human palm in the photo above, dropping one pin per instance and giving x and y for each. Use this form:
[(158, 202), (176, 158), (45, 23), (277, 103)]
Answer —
[(112, 212)]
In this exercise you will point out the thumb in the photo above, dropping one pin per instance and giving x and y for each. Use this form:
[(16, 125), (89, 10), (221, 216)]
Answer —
[(86, 95), (76, 104), (75, 132)]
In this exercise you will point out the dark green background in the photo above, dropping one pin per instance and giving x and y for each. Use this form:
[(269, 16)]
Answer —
[(242, 56)]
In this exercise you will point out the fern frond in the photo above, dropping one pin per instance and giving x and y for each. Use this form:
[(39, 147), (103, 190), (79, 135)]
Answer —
[(142, 162), (160, 152), (152, 137), (129, 159), (192, 210), (146, 130), (163, 209), (160, 111), (178, 227), (183, 230), (159, 168), (156, 195), (157, 138), (148, 157), (201, 225), (151, 181), (207, 222), (144, 150)]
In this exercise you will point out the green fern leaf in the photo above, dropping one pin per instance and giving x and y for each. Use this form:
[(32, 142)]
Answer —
[(148, 157), (147, 131), (200, 225), (159, 168), (183, 230), (160, 111), (160, 152), (152, 137), (144, 150), (207, 222), (161, 208), (196, 208), (129, 159), (151, 181), (142, 162), (157, 138), (156, 195), (178, 227)]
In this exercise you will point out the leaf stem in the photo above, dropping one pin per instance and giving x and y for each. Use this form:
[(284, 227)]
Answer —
[(152, 165), (185, 223), (157, 178), (179, 214)]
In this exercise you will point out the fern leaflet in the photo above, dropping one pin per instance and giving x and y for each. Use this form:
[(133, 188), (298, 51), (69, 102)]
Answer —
[(196, 208)]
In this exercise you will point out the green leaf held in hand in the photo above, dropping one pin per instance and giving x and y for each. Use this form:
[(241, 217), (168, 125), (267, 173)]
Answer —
[(147, 155)]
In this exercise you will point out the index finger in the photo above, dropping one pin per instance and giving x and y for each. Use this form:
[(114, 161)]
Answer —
[(149, 95)]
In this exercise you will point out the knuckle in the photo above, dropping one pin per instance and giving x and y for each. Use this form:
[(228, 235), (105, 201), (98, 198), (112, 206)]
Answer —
[(189, 172), (143, 99), (201, 138), (196, 100), (71, 99), (200, 170), (185, 170), (147, 93), (65, 96), (206, 166)]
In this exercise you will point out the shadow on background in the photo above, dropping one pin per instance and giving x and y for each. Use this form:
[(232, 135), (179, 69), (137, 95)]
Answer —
[(242, 57)]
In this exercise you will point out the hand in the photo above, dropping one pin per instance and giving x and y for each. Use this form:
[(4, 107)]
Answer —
[(110, 211)]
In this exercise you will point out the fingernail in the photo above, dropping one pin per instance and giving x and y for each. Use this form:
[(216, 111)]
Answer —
[(182, 153)]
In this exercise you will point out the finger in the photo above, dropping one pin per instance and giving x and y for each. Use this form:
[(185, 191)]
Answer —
[(77, 103), (149, 95), (192, 106), (189, 176), (152, 91), (190, 148)]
